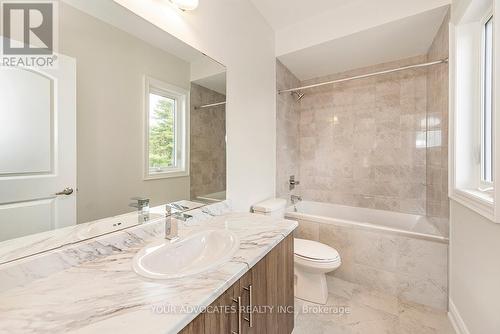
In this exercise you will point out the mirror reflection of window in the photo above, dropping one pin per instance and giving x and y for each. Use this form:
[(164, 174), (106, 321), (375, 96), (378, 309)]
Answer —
[(161, 133), (167, 130)]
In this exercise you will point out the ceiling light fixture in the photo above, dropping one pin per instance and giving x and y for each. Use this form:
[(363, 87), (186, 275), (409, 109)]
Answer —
[(186, 4)]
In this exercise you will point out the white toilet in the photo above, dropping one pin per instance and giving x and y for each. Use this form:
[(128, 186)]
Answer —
[(312, 259)]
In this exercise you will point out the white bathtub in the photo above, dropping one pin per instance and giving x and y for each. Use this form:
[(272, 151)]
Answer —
[(403, 224), (399, 254)]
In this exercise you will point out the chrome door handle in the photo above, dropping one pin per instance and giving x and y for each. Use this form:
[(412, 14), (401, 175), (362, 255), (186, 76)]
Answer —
[(250, 305), (67, 192), (238, 301)]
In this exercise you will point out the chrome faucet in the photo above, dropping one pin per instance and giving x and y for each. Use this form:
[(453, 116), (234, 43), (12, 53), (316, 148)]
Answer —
[(172, 223), (295, 199), (142, 205)]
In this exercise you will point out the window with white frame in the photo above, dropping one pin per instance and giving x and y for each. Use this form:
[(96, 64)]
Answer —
[(473, 109), (166, 130), (486, 182)]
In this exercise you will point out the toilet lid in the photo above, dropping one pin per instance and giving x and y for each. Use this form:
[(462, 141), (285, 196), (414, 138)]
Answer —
[(315, 251)]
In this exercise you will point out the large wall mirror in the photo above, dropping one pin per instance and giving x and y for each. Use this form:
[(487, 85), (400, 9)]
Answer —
[(129, 113)]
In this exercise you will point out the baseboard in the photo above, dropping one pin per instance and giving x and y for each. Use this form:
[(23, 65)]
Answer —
[(456, 320)]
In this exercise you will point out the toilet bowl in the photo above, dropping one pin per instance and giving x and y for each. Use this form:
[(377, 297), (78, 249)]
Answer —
[(312, 259)]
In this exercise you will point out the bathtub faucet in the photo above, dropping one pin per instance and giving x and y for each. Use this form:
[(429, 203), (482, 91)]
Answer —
[(295, 199)]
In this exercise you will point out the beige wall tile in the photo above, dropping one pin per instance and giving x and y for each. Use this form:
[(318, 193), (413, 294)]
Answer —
[(288, 142), (362, 143), (208, 143), (437, 120), (411, 269), (307, 230)]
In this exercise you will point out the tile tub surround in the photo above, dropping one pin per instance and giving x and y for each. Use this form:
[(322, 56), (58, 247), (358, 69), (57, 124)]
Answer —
[(437, 123), (378, 142), (412, 269), (362, 143), (287, 132), (208, 142), (96, 290)]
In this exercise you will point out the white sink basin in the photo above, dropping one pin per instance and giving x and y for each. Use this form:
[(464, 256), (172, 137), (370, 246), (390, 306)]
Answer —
[(195, 254)]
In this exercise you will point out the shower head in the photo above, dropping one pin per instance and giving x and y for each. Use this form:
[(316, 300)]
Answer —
[(299, 95)]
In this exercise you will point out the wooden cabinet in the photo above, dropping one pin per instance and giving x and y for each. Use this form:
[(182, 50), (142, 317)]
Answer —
[(265, 294)]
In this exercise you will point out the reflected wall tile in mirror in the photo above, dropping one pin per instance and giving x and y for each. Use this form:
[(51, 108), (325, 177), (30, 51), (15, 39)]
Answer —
[(208, 143)]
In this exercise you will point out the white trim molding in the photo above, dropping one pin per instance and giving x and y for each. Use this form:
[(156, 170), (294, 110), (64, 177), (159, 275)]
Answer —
[(456, 320), (476, 201), (465, 113), (182, 98)]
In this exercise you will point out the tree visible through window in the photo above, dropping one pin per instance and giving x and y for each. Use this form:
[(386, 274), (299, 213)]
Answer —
[(166, 150), (161, 133)]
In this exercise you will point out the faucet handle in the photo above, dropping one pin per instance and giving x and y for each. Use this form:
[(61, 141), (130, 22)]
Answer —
[(178, 206), (292, 182), (182, 216)]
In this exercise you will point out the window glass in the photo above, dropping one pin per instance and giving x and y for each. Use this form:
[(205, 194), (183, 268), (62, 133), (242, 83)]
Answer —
[(487, 115), (162, 133)]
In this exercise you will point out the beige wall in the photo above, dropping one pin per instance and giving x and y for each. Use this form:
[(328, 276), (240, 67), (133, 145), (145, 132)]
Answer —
[(475, 269), (234, 33), (110, 69), (208, 142)]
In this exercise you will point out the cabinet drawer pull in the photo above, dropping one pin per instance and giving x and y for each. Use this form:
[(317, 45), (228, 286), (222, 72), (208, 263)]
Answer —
[(250, 304), (238, 301)]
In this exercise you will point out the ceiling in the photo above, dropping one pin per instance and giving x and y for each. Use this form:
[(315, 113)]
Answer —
[(282, 13), (321, 37), (209, 73), (216, 82), (400, 39), (121, 18)]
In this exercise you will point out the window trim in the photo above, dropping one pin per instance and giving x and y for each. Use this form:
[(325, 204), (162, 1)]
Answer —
[(181, 96), (464, 113)]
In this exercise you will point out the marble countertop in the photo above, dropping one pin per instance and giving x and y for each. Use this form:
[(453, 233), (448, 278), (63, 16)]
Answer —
[(11, 250), (91, 288)]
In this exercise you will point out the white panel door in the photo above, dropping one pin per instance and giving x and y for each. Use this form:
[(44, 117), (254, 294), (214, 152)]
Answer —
[(37, 149)]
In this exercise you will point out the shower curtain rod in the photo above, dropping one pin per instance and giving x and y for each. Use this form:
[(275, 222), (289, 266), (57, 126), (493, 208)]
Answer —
[(210, 105), (442, 61)]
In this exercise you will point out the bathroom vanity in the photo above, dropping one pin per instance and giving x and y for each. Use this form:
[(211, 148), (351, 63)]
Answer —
[(91, 286), (263, 298)]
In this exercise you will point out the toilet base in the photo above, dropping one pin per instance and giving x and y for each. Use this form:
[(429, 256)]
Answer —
[(311, 286)]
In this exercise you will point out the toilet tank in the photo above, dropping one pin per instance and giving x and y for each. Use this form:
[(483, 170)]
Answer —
[(272, 207)]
